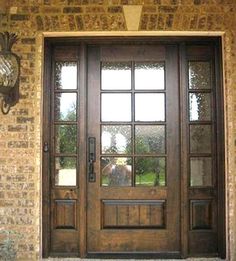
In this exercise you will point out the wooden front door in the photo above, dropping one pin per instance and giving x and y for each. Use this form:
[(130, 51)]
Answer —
[(133, 149), (133, 111)]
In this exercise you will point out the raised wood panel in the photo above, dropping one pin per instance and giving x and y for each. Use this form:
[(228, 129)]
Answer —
[(134, 214), (201, 214), (65, 214)]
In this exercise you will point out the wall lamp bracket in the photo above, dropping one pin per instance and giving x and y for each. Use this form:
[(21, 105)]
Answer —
[(9, 72)]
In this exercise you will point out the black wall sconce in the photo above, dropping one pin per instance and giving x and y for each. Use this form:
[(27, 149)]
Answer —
[(9, 72)]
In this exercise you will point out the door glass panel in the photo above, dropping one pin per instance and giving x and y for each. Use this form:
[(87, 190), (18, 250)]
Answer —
[(116, 172), (65, 106), (66, 75), (199, 75), (201, 171), (116, 76), (200, 138), (149, 76), (150, 171), (116, 139), (65, 138), (200, 106), (65, 171), (149, 139), (150, 107), (116, 107)]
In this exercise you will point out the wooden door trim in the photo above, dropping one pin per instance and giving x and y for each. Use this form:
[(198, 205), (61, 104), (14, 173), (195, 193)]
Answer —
[(83, 178), (45, 155), (220, 151), (83, 150), (183, 142)]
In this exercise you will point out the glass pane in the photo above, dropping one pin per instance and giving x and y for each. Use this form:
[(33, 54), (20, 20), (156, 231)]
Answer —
[(66, 75), (65, 169), (65, 138), (200, 106), (116, 172), (200, 138), (200, 171), (150, 171), (150, 107), (116, 139), (116, 76), (199, 75), (150, 139), (149, 76), (65, 106), (116, 107)]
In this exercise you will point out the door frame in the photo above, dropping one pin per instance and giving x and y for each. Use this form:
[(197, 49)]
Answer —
[(86, 38)]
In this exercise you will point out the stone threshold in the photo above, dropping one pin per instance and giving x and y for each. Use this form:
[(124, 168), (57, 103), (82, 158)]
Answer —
[(88, 259)]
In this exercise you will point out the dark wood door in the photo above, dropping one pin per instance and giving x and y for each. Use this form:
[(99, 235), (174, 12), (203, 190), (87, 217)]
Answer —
[(133, 149), (133, 112)]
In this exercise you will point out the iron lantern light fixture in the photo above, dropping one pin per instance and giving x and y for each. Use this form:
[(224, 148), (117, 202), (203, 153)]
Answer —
[(9, 72)]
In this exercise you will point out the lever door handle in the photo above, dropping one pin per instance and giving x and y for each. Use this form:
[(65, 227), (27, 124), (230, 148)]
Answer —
[(91, 158)]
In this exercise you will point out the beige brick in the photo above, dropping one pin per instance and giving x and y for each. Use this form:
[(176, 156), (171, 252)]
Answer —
[(20, 131)]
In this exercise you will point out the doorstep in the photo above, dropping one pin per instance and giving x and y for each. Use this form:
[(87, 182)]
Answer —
[(89, 259)]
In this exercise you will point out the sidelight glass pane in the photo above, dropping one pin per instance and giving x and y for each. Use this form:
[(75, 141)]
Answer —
[(200, 106), (65, 106), (200, 138), (116, 172), (116, 139), (149, 139), (199, 75), (116, 76), (150, 171), (116, 107), (201, 171), (149, 76), (150, 107), (65, 171), (66, 75), (65, 138)]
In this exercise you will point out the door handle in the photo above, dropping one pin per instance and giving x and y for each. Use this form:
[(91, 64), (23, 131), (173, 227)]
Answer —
[(45, 147), (91, 158)]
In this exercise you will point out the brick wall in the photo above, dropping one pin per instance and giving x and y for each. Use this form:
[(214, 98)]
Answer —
[(20, 131)]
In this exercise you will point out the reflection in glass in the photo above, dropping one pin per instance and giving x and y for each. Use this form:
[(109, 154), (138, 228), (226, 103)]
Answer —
[(65, 171), (116, 76), (116, 107), (200, 138), (116, 172), (66, 75), (65, 106), (65, 138), (116, 139), (199, 75), (150, 139), (149, 76), (150, 171), (150, 107), (200, 171), (200, 106)]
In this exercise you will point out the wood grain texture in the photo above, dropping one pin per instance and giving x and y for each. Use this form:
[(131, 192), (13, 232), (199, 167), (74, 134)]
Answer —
[(134, 214)]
